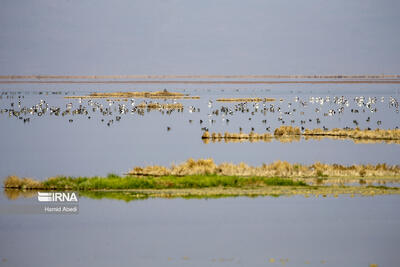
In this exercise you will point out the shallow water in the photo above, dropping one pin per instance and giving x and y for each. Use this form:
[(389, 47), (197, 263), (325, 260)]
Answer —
[(263, 231), (312, 231), (51, 145), (172, 37)]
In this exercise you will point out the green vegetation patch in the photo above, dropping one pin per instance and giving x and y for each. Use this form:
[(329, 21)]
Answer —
[(116, 182)]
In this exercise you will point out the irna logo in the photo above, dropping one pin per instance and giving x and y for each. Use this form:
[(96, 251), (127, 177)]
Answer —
[(57, 197)]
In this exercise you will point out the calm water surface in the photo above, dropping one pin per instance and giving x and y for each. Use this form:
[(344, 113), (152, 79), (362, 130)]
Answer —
[(300, 231), (170, 37), (51, 145), (294, 231)]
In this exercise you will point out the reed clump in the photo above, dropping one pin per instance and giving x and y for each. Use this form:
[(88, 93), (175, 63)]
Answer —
[(275, 169), (285, 133), (163, 94), (158, 94), (156, 105), (257, 99), (287, 130), (204, 173), (236, 136), (15, 182), (267, 138), (357, 133), (356, 141), (280, 133)]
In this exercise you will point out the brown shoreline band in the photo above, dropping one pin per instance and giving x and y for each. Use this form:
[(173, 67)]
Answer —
[(246, 76), (381, 81)]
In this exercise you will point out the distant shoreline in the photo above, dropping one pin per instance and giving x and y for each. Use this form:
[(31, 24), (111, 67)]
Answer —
[(200, 79), (155, 77), (366, 81)]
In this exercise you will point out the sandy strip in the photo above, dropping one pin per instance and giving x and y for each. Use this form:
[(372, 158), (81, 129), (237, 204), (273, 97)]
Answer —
[(249, 76), (367, 81)]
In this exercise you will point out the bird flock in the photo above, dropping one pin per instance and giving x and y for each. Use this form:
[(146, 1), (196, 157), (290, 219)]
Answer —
[(301, 111), (110, 110)]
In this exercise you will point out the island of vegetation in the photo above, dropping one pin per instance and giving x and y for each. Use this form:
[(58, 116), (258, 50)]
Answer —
[(205, 178), (158, 95), (288, 132), (156, 105)]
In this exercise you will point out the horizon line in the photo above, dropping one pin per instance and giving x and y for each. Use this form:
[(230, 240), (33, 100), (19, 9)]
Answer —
[(162, 77), (365, 81)]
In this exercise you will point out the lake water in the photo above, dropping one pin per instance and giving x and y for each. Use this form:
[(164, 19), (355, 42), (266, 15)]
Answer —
[(50, 145), (196, 37), (264, 231), (297, 231)]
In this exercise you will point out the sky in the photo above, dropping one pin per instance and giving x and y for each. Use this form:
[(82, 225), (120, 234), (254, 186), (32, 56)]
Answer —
[(98, 37)]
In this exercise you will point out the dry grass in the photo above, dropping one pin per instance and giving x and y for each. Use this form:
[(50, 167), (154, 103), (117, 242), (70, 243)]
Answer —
[(162, 94), (22, 183), (206, 173), (356, 141), (378, 134), (335, 172), (246, 99), (236, 136), (282, 139), (288, 139), (156, 105), (157, 95), (285, 133), (281, 132)]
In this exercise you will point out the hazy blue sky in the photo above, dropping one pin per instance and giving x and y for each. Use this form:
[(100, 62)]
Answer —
[(199, 37)]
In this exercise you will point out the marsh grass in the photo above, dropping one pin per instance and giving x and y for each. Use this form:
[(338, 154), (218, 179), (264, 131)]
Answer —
[(132, 182), (288, 139), (266, 138), (156, 105), (356, 141), (287, 130), (157, 95), (334, 173), (21, 183), (290, 133), (205, 173), (357, 133), (236, 136)]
